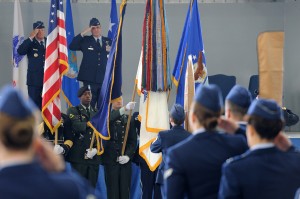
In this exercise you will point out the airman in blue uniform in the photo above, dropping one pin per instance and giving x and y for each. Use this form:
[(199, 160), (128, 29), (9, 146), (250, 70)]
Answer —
[(95, 49), (264, 171), (168, 138), (193, 166), (237, 103), (34, 48), (28, 168)]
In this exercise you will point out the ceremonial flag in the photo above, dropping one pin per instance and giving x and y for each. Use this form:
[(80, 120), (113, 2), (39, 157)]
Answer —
[(70, 85), (111, 87), (113, 25), (20, 62), (191, 44), (56, 65), (153, 80)]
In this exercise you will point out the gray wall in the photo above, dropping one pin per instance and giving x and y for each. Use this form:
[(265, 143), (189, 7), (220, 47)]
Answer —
[(230, 31), (291, 58)]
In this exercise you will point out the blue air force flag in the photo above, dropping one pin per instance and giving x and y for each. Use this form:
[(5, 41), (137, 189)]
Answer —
[(70, 85), (191, 44), (113, 25), (111, 87)]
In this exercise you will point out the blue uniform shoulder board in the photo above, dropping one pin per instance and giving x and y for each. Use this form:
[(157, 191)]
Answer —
[(236, 158)]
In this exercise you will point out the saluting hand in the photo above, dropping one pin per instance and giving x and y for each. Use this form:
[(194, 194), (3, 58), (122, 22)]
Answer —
[(33, 33), (85, 31), (227, 125)]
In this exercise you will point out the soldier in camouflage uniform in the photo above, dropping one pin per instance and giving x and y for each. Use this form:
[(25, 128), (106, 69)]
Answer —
[(117, 167), (83, 160)]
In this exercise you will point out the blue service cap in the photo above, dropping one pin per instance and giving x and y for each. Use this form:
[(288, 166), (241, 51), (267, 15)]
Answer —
[(94, 22), (266, 108), (83, 89), (210, 97), (239, 96), (38, 25), (14, 104), (177, 112)]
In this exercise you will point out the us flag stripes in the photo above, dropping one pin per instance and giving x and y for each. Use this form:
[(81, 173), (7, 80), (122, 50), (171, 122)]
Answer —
[(56, 64)]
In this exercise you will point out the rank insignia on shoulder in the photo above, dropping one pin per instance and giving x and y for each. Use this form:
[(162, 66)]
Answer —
[(71, 116), (168, 173)]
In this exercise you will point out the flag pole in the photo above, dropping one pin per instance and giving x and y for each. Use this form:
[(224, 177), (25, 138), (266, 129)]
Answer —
[(92, 141), (128, 121), (56, 137)]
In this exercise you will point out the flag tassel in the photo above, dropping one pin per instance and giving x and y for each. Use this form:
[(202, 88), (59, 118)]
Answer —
[(128, 121)]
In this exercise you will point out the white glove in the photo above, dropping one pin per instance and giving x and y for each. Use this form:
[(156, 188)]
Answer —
[(91, 153), (130, 106), (123, 159), (58, 149)]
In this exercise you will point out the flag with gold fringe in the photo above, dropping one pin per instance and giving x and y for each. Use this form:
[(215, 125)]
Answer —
[(111, 87), (153, 80), (56, 65)]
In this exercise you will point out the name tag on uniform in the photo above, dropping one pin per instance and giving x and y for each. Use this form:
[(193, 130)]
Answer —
[(35, 49), (90, 48)]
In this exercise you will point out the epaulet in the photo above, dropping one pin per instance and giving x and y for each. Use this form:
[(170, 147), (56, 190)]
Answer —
[(236, 158)]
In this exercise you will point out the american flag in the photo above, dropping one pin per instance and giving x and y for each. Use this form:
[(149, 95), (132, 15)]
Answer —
[(56, 64)]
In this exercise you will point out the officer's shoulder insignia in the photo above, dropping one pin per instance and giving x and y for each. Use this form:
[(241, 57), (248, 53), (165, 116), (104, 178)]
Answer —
[(91, 196), (236, 158), (168, 173), (71, 116)]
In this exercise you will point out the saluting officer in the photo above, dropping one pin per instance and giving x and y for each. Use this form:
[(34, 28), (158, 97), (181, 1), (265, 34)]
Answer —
[(117, 167), (34, 48), (95, 49), (82, 159)]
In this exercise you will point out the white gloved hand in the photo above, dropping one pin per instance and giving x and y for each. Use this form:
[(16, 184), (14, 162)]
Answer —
[(91, 153), (130, 106), (58, 149), (123, 159)]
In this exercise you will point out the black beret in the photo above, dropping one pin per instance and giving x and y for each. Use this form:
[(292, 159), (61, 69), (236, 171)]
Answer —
[(83, 89)]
